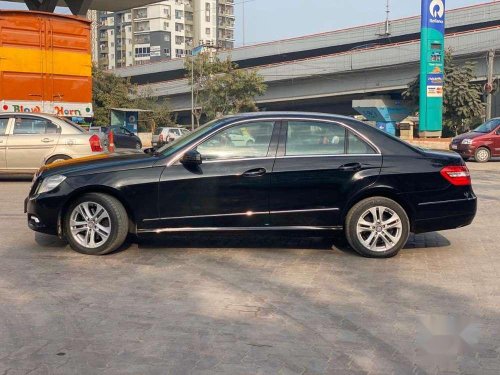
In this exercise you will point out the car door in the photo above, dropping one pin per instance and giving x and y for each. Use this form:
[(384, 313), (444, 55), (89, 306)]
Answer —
[(4, 124), (229, 189), (319, 165), (32, 140), (496, 140)]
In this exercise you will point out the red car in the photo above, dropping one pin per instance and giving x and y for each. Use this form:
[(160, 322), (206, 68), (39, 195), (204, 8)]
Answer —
[(482, 143)]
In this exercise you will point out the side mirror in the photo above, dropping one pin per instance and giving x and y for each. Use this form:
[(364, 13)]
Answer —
[(192, 157)]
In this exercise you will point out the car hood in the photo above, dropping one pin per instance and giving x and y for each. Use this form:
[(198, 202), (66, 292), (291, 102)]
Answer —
[(98, 164), (469, 135)]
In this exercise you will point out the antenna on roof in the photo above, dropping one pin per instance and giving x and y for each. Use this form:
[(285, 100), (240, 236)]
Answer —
[(387, 19)]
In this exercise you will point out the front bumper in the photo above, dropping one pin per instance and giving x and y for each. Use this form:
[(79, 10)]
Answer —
[(41, 217), (465, 151)]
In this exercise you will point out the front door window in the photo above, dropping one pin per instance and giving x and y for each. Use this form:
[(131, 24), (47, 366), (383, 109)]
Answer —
[(239, 142)]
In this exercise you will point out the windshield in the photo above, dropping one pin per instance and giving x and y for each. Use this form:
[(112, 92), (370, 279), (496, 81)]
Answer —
[(185, 139), (488, 127)]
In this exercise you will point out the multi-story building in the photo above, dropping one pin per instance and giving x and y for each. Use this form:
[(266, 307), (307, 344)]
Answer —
[(165, 30)]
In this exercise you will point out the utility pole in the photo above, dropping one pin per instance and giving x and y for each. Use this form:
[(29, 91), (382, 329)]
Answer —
[(489, 84), (243, 23)]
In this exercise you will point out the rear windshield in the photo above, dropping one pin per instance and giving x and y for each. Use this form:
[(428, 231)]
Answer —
[(158, 131), (72, 124)]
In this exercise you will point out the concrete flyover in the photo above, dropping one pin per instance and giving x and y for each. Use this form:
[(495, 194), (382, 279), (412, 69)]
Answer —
[(80, 7), (326, 71), (329, 83)]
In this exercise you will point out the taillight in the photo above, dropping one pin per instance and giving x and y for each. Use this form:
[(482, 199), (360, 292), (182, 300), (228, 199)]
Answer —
[(95, 143), (457, 175)]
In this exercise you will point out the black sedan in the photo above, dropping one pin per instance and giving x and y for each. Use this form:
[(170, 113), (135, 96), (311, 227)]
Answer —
[(283, 171), (122, 137)]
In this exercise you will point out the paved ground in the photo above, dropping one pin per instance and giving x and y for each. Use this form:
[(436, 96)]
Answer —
[(253, 304)]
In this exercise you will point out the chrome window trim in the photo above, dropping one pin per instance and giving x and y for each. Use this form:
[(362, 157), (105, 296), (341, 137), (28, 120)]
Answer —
[(178, 156), (237, 229), (248, 213), (323, 156)]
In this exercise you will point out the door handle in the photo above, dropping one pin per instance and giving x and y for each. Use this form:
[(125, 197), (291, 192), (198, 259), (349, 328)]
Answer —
[(47, 140), (351, 167), (255, 172)]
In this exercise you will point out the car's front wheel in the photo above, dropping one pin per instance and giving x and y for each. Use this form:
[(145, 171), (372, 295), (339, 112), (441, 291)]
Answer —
[(96, 224), (482, 155), (377, 227)]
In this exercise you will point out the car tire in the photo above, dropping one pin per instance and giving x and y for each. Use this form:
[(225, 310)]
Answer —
[(138, 146), (55, 158), (100, 234), (482, 155), (377, 227)]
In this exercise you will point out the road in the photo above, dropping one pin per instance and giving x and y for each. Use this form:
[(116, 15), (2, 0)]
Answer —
[(252, 304)]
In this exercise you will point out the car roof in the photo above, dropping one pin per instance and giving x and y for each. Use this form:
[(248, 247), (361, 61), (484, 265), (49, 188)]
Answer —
[(44, 115)]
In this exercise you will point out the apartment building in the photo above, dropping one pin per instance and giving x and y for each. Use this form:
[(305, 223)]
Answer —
[(161, 31)]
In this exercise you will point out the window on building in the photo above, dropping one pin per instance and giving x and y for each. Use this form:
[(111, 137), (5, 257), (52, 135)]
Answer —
[(179, 27), (179, 14), (207, 31), (179, 39), (207, 12), (142, 52)]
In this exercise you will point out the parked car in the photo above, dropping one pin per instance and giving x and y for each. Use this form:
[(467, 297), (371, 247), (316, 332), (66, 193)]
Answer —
[(304, 172), (123, 138), (482, 143), (164, 135), (28, 141)]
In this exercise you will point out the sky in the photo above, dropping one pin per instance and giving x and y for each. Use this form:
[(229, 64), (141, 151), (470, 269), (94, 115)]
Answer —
[(267, 20)]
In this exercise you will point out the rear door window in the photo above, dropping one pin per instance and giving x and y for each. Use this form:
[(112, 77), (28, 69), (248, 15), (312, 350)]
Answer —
[(315, 138), (358, 146), (34, 126)]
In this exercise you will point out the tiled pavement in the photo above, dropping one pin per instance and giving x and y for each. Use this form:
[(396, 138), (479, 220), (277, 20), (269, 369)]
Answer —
[(252, 304)]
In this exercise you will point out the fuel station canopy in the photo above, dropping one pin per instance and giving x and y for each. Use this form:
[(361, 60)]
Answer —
[(80, 7)]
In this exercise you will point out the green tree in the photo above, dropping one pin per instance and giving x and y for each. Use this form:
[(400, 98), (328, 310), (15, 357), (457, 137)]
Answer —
[(220, 88), (462, 99), (111, 91)]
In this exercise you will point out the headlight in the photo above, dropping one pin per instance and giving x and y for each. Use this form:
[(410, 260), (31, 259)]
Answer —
[(467, 142), (50, 183)]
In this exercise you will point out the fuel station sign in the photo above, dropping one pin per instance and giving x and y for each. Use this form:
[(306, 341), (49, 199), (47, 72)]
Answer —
[(432, 67)]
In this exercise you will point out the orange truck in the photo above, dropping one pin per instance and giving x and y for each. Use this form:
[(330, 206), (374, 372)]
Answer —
[(45, 64)]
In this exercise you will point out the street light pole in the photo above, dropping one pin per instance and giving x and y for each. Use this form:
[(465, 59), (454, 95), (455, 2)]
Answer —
[(192, 93), (489, 85)]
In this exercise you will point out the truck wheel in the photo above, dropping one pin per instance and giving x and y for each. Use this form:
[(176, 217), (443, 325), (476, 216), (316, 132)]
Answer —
[(96, 224), (377, 227)]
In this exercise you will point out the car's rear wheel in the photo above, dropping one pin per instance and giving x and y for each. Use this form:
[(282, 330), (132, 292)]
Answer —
[(377, 227), (482, 155), (56, 158), (96, 224)]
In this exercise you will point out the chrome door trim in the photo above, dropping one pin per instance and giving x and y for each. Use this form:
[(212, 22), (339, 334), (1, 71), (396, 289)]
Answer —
[(248, 213), (302, 211), (238, 229)]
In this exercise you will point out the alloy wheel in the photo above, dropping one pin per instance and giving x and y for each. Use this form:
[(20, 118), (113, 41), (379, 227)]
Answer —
[(90, 225), (379, 229)]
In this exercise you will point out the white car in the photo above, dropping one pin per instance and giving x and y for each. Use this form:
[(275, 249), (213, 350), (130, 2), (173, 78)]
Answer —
[(164, 135), (28, 141)]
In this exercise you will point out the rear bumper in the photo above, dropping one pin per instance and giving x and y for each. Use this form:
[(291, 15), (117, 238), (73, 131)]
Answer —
[(444, 215)]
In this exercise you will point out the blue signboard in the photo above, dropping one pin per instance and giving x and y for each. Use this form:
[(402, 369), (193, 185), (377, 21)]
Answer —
[(433, 14), (131, 121)]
